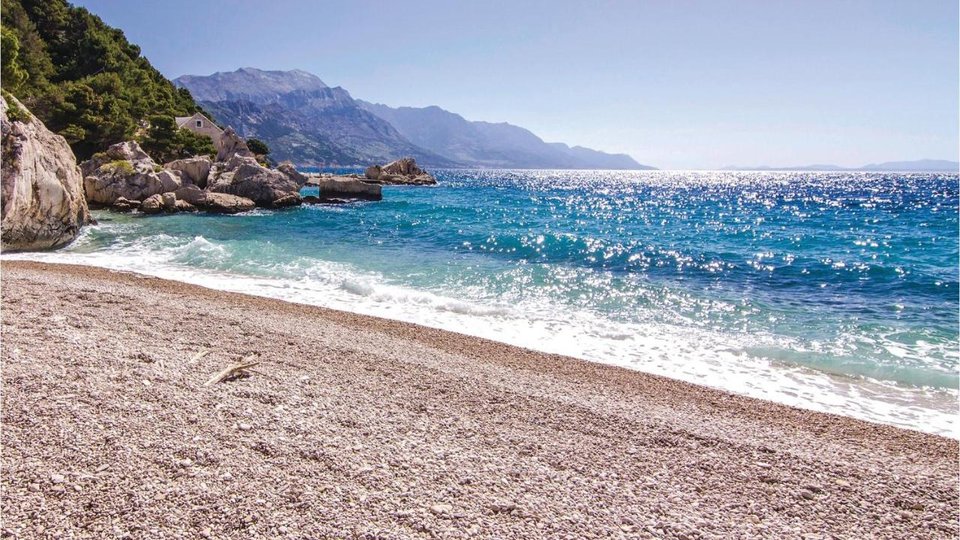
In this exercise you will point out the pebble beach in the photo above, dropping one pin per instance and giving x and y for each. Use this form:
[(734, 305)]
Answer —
[(352, 426)]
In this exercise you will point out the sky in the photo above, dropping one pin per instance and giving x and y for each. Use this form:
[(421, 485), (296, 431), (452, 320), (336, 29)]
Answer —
[(675, 84)]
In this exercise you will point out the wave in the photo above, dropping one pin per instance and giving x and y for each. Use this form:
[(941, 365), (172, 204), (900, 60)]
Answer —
[(758, 365)]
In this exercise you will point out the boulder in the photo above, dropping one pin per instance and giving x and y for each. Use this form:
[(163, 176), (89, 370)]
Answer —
[(124, 170), (169, 202), (42, 204), (152, 204), (224, 203), (232, 144), (191, 194), (401, 172), (193, 170), (404, 166), (291, 171), (170, 180), (347, 187), (184, 206), (292, 199), (125, 205), (244, 177)]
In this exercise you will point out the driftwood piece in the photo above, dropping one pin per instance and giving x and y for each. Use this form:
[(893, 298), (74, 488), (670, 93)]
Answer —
[(231, 371)]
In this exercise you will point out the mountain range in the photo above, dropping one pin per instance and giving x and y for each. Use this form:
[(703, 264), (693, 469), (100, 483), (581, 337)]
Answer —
[(920, 165), (305, 121)]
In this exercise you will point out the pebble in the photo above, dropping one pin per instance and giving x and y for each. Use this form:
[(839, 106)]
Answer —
[(57, 478), (245, 427), (807, 494), (441, 509), (841, 482)]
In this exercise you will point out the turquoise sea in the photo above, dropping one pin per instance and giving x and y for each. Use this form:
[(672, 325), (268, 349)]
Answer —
[(830, 291)]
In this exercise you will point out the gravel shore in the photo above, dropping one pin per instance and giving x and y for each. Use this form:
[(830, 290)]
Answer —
[(357, 427)]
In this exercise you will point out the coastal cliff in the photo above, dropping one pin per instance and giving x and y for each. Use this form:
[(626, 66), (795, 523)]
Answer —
[(43, 206)]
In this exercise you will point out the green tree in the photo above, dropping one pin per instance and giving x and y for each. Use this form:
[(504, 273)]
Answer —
[(12, 75), (85, 80), (258, 147), (165, 142)]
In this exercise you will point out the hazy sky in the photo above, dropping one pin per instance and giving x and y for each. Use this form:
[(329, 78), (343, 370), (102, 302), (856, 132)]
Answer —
[(675, 84)]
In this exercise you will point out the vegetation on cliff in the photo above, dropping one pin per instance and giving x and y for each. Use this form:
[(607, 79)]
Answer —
[(86, 82)]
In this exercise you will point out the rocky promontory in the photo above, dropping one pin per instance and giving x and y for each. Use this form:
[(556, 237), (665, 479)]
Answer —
[(42, 205)]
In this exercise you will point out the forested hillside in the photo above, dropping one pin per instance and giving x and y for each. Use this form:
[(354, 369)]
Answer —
[(85, 81)]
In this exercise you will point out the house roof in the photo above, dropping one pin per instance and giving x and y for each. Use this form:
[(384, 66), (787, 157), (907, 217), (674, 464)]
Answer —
[(182, 120)]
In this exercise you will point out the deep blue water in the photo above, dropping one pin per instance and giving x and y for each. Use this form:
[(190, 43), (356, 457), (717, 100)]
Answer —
[(833, 291)]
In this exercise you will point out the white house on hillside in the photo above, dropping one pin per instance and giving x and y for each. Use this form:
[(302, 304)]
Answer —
[(201, 125)]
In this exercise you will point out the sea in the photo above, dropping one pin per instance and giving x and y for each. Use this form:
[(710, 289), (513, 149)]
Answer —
[(834, 292)]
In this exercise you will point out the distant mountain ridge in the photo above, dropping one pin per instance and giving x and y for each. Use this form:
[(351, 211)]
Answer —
[(301, 118), (304, 120), (920, 165), (486, 144)]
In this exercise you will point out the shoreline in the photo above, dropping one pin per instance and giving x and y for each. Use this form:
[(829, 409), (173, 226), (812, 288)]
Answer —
[(867, 399), (412, 430)]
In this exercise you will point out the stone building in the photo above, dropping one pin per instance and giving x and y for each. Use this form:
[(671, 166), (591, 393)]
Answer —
[(201, 125)]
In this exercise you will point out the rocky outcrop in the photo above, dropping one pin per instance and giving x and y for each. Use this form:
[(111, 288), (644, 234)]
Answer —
[(232, 144), (346, 187), (400, 172), (125, 178), (43, 205), (244, 177), (194, 170), (124, 170)]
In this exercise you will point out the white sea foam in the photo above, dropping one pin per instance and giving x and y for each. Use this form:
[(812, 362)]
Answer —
[(723, 360)]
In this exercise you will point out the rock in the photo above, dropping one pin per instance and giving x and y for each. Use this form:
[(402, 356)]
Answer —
[(170, 180), (402, 172), (169, 202), (57, 478), (42, 199), (125, 205), (232, 144), (124, 170), (191, 194), (292, 199), (441, 509), (342, 186), (244, 177), (152, 204), (184, 206), (224, 203), (291, 171), (404, 166), (193, 170), (807, 494)]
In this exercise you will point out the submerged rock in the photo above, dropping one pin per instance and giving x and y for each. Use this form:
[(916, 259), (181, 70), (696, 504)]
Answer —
[(43, 205)]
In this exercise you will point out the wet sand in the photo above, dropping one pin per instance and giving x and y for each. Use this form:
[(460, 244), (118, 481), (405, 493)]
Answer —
[(358, 427)]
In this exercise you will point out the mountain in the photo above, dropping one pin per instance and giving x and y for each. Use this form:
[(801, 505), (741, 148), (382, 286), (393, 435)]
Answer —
[(302, 119), (485, 144), (920, 165), (926, 165)]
